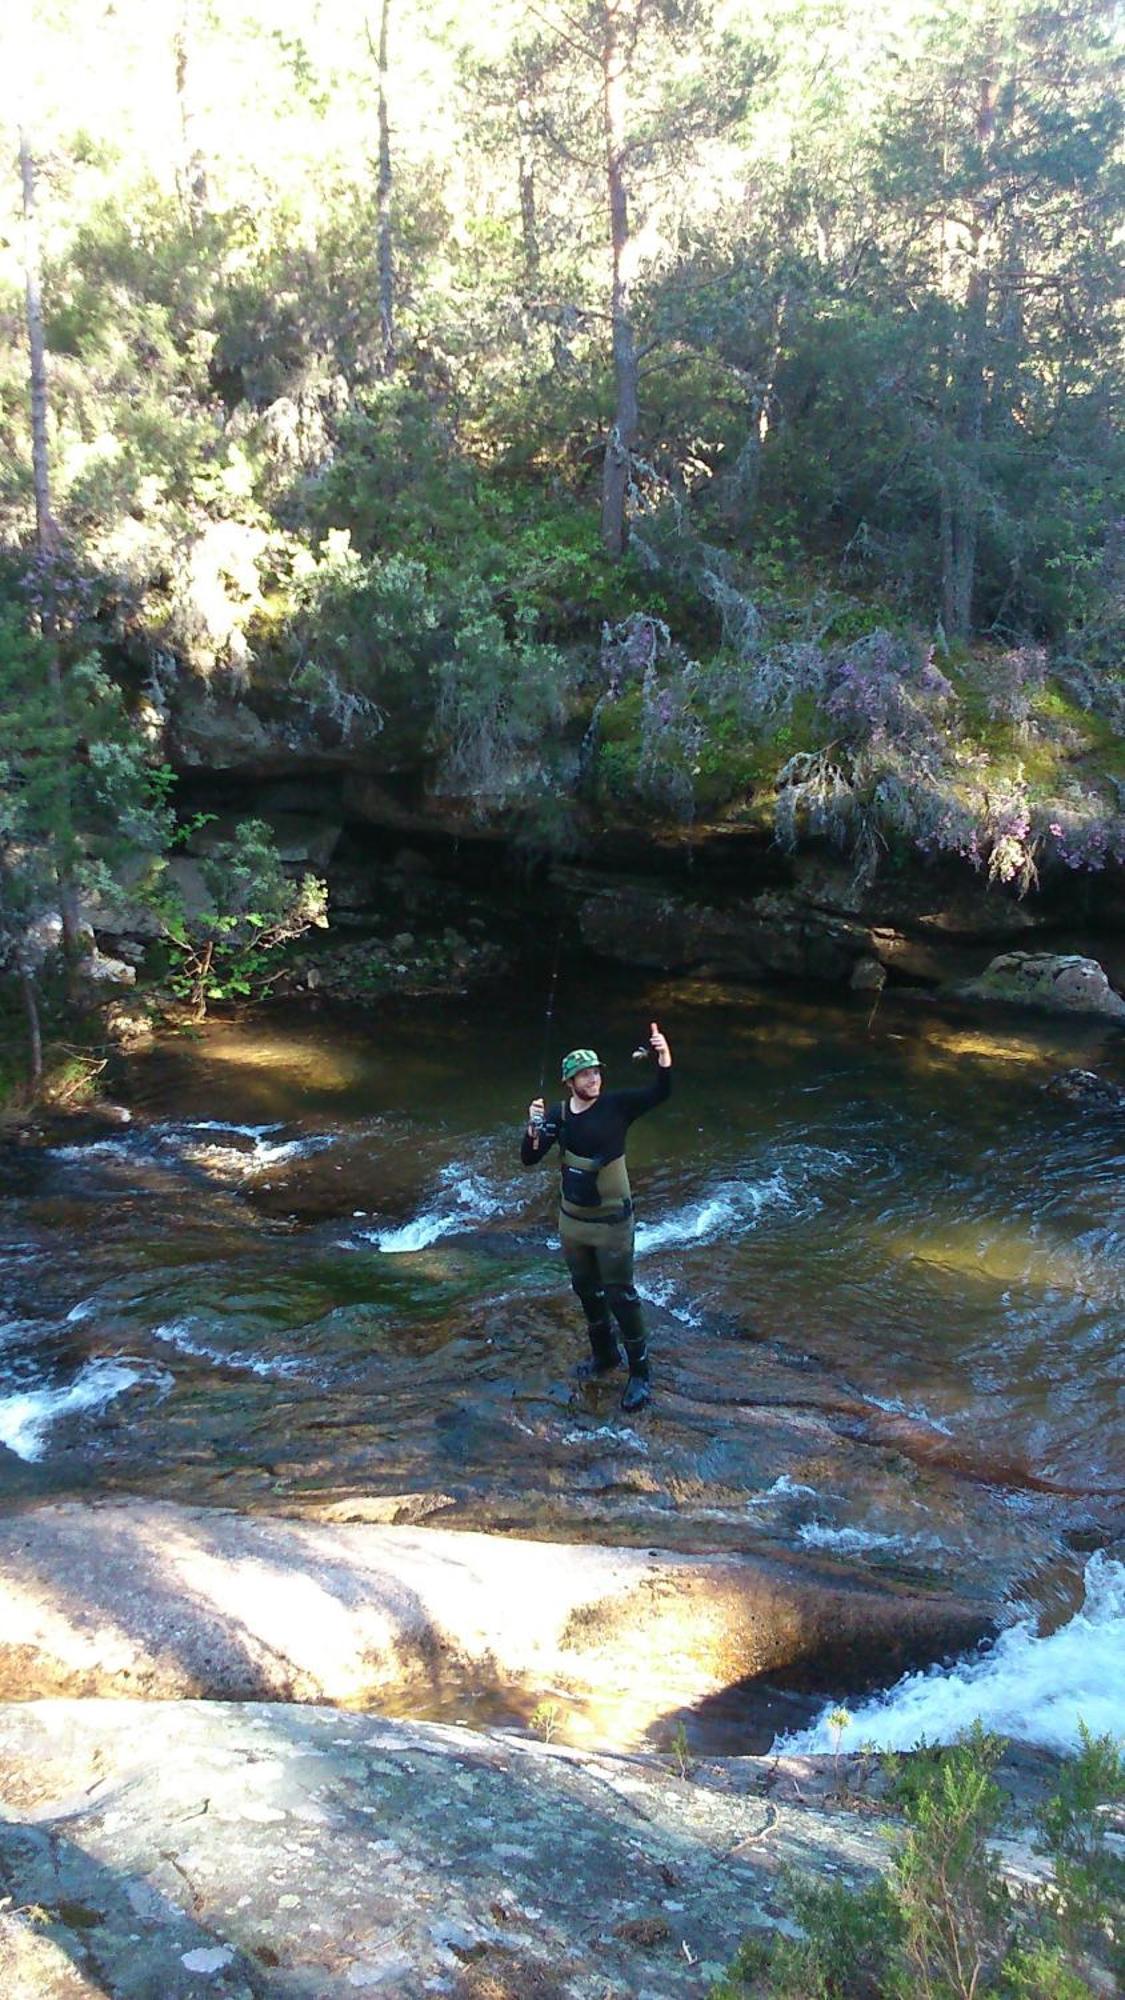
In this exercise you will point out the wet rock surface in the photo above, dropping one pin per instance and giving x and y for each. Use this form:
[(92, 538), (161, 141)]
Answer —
[(815, 923), (1085, 1086)]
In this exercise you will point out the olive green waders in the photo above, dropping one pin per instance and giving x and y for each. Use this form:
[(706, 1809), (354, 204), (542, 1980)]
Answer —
[(597, 1242)]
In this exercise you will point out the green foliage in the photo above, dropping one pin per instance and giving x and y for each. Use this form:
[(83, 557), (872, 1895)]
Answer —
[(1074, 1832), (497, 699), (361, 635), (942, 1924), (952, 1902), (847, 1946), (405, 478), (77, 791), (876, 344), (1041, 1972), (223, 950)]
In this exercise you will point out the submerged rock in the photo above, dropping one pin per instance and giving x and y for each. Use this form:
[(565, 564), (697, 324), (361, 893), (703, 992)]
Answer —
[(1084, 1086), (868, 976)]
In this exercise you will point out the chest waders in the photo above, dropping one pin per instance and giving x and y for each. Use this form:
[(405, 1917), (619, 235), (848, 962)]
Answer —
[(597, 1242)]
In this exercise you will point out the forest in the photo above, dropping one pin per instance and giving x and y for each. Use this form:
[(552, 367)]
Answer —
[(659, 409)]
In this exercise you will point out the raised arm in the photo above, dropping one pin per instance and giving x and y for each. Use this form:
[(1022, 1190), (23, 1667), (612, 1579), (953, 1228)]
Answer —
[(635, 1102)]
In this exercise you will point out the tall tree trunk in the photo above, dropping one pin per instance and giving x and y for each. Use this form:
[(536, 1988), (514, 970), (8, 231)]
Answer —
[(34, 1030), (970, 431), (193, 166), (386, 179), (945, 539), (46, 529), (971, 389), (529, 220), (626, 415)]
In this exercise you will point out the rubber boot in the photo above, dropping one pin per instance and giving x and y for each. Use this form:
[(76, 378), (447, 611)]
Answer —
[(626, 1309), (605, 1355), (638, 1389), (627, 1313)]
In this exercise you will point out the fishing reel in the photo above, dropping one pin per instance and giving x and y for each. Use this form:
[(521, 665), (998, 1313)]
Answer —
[(642, 1052)]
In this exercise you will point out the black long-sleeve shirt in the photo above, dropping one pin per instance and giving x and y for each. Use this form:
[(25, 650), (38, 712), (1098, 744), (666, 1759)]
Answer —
[(599, 1132)]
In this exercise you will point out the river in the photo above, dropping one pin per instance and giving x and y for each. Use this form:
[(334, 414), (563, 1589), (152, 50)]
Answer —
[(309, 1266)]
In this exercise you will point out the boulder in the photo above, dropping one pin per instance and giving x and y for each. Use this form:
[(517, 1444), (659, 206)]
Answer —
[(1057, 983), (868, 976), (209, 732), (302, 839), (100, 970), (1084, 1086), (774, 934), (129, 1024)]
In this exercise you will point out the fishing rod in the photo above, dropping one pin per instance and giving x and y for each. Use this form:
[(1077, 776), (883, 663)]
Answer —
[(549, 1017)]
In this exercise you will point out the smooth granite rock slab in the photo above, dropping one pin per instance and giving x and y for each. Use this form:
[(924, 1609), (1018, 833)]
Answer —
[(163, 1851), (148, 1598)]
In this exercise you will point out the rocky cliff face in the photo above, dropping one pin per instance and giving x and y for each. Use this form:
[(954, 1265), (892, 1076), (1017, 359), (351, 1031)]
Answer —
[(719, 896)]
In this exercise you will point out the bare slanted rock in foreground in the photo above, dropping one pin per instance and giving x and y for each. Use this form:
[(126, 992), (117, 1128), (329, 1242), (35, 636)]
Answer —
[(176, 1850)]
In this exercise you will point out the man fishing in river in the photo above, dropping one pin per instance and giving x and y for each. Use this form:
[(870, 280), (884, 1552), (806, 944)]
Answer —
[(596, 1205)]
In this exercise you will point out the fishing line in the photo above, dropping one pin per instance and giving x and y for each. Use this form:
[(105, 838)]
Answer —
[(550, 1014)]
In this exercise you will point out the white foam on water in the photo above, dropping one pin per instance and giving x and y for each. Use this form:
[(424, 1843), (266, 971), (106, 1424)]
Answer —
[(244, 1161), (894, 1407), (222, 1125), (466, 1199), (783, 1488), (93, 1148), (1035, 1690), (661, 1292), (732, 1204), (179, 1333), (615, 1433), (198, 1142), (27, 1417), (83, 1310), (856, 1541)]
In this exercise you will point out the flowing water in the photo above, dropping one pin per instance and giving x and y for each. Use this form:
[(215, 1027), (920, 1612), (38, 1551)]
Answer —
[(310, 1265)]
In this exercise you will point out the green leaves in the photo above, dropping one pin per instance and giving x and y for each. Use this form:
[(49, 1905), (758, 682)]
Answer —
[(223, 949), (943, 1924)]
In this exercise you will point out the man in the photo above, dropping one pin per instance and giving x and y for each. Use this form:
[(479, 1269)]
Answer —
[(596, 1206)]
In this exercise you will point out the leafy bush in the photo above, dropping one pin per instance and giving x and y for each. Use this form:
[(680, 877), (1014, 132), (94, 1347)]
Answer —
[(883, 687), (222, 951), (952, 1901), (942, 1924), (496, 700), (1075, 1833), (848, 1945), (363, 624)]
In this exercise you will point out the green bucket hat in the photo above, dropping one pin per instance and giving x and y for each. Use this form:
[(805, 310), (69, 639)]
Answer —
[(579, 1059)]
